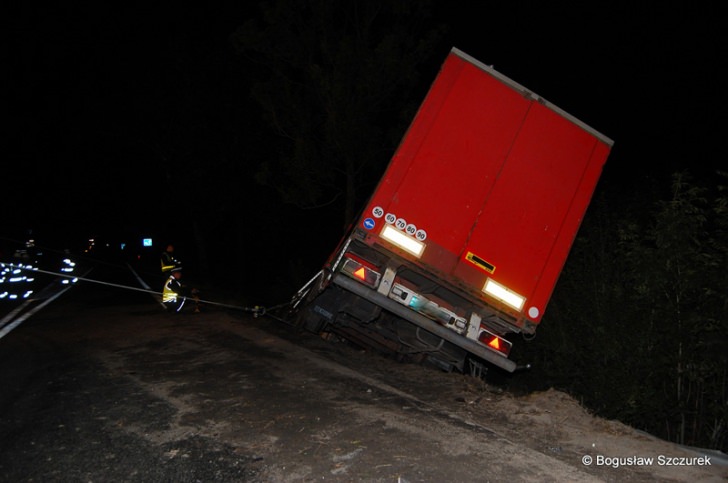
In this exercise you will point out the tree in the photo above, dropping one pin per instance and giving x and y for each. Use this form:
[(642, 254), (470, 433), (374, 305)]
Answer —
[(333, 80), (638, 324), (677, 264)]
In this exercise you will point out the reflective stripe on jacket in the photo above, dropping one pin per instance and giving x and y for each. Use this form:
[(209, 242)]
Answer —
[(172, 289), (168, 262)]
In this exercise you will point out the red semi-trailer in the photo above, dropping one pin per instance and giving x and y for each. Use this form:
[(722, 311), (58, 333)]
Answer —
[(464, 238)]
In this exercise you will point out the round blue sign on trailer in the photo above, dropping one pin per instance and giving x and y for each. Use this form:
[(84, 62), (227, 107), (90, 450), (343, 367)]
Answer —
[(369, 223)]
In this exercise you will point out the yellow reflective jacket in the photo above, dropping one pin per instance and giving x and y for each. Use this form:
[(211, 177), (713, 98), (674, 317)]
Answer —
[(168, 262), (172, 289)]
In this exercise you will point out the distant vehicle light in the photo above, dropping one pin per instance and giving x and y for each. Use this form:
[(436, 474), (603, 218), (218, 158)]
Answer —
[(403, 241), (504, 294)]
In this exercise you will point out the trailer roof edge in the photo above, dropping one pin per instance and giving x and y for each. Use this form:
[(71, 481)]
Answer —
[(529, 93)]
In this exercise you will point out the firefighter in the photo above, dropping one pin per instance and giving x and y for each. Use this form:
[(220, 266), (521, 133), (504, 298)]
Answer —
[(174, 294), (168, 260)]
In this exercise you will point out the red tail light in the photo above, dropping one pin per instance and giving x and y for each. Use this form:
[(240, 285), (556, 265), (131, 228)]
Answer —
[(496, 343), (361, 272)]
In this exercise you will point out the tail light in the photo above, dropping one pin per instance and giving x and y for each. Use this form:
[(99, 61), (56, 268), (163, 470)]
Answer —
[(358, 270), (495, 342)]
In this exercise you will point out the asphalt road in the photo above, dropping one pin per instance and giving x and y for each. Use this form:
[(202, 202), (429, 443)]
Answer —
[(102, 385)]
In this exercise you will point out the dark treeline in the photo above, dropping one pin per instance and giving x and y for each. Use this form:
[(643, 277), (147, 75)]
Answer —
[(250, 141), (638, 325)]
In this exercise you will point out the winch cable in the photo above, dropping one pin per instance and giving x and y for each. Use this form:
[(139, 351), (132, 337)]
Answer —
[(9, 324), (257, 310), (144, 284)]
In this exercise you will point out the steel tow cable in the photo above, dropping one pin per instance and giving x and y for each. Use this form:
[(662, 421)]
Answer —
[(256, 310)]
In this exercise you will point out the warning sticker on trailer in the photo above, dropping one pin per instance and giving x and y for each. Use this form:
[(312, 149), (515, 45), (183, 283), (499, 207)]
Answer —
[(479, 262)]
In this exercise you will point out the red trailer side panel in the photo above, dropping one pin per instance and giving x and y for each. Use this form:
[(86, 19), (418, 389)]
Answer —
[(533, 212), (450, 157), (495, 180)]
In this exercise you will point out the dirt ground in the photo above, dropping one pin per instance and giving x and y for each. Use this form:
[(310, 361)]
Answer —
[(550, 422), (126, 393)]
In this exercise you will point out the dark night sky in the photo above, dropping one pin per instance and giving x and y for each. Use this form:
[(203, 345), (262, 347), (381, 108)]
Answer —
[(644, 76), (82, 81)]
